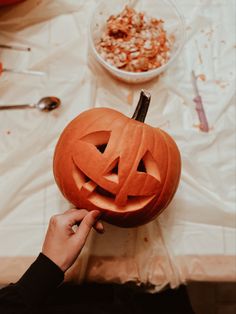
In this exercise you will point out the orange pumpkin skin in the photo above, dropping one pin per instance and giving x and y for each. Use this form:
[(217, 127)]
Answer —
[(125, 168)]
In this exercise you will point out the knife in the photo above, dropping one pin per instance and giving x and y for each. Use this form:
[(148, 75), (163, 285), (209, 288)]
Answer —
[(199, 106)]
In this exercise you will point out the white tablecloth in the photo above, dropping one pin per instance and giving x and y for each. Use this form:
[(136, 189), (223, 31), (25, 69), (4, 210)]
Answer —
[(194, 238)]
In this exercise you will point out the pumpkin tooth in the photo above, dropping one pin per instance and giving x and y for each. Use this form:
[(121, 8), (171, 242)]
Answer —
[(88, 188), (121, 199)]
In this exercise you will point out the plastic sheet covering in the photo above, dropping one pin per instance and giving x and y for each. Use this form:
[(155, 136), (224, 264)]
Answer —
[(194, 238)]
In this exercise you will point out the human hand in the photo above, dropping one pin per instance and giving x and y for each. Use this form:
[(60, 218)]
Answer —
[(64, 241)]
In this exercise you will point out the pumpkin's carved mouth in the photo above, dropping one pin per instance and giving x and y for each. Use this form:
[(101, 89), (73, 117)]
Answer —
[(105, 199)]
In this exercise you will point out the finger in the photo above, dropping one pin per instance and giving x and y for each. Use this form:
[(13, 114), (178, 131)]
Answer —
[(98, 226), (74, 217), (70, 210), (85, 226)]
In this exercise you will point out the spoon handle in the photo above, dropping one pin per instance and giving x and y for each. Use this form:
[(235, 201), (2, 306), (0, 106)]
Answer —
[(16, 107)]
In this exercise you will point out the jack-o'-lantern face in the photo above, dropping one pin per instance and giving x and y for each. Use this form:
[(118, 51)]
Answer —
[(120, 166), (103, 175)]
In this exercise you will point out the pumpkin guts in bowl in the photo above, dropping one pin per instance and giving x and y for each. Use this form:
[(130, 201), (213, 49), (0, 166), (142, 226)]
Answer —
[(135, 42)]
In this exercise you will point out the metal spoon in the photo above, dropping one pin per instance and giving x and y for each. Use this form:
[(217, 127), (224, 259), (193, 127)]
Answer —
[(44, 104)]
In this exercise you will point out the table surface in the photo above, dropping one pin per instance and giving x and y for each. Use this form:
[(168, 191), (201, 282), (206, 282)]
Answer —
[(194, 238)]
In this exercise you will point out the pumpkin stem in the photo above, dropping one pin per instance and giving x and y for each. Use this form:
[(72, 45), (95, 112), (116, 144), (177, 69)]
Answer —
[(142, 106)]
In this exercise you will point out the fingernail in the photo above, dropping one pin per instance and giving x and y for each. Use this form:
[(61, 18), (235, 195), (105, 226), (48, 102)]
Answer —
[(99, 227)]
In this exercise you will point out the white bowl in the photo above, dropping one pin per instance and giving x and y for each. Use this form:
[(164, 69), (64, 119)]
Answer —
[(160, 9)]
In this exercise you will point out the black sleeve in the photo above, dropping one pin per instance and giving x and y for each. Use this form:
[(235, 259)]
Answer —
[(38, 282)]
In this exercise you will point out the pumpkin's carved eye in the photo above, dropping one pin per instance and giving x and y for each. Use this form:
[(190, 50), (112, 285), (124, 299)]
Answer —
[(141, 166), (99, 139), (101, 148), (148, 165)]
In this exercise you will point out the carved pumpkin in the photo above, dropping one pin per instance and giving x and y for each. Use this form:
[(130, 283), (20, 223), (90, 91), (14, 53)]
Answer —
[(123, 167)]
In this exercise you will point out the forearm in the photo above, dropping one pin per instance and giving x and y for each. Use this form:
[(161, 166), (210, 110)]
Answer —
[(38, 282)]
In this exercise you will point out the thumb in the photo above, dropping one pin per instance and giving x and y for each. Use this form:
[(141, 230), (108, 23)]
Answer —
[(86, 225)]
